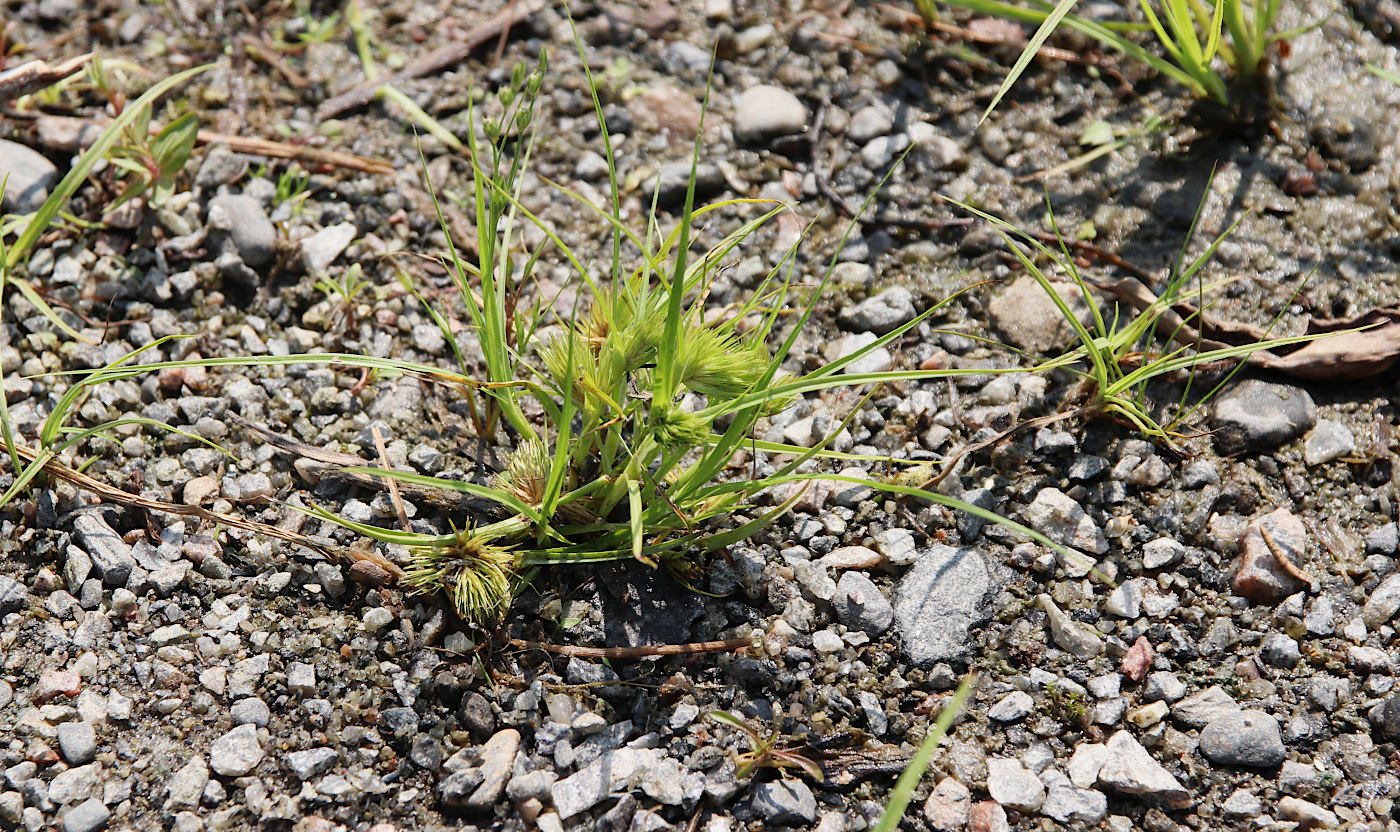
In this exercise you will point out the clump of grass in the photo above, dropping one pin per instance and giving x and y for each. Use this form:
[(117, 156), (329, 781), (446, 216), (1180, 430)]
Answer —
[(1118, 356), (639, 401), (767, 750), (1196, 39)]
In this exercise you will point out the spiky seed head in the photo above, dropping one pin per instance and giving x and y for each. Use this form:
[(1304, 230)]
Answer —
[(469, 570), (718, 364), (676, 428)]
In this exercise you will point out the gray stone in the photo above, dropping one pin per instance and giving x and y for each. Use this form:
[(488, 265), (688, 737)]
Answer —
[(1328, 441), (88, 816), (221, 166), (534, 785), (1383, 602), (882, 313), (236, 753), (785, 802), (947, 807), (13, 595), (1198, 709), (593, 783), (1161, 553), (111, 557), (938, 601), (1243, 738), (1129, 769), (322, 248), (870, 121), (252, 711), (187, 785), (1258, 415), (1011, 707), (1011, 784), (312, 762), (11, 808), (1164, 686), (1242, 804), (1068, 804), (77, 742), (246, 225), (497, 762), (765, 112), (672, 181), (30, 176), (301, 678), (1028, 319), (1125, 601), (877, 360), (1280, 650), (426, 753), (860, 605), (1060, 518), (75, 784), (1078, 638), (1384, 540)]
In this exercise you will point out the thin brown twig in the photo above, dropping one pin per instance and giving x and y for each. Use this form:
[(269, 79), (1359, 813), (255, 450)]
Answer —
[(726, 645), (360, 95), (1283, 560), (95, 486), (35, 75), (389, 482)]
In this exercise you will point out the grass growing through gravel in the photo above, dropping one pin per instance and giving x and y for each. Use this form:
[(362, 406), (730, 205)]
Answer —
[(1118, 357), (1196, 38), (640, 400)]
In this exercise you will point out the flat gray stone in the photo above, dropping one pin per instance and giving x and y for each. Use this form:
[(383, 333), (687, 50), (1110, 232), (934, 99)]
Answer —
[(1130, 769), (312, 762), (13, 595), (111, 557), (1328, 441), (322, 248), (1258, 415), (765, 112), (88, 816), (860, 605), (1243, 738), (497, 763), (593, 783), (882, 313), (186, 786), (938, 601), (785, 802), (246, 225), (1383, 602), (1028, 319), (1060, 518), (236, 753), (1198, 709), (1012, 784), (77, 742), (30, 173)]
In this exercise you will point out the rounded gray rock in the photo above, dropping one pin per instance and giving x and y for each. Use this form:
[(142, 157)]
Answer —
[(1244, 738), (1258, 415), (247, 226), (785, 802), (765, 112), (30, 175), (236, 753), (860, 604)]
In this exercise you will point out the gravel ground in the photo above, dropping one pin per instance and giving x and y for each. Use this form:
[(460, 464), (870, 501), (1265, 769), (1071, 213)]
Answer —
[(160, 674)]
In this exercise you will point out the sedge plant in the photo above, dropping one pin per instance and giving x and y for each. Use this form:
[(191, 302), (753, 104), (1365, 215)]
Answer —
[(624, 422), (1204, 45), (1117, 356)]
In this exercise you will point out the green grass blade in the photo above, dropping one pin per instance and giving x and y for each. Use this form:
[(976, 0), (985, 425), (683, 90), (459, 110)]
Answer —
[(98, 150), (1051, 22), (909, 779)]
